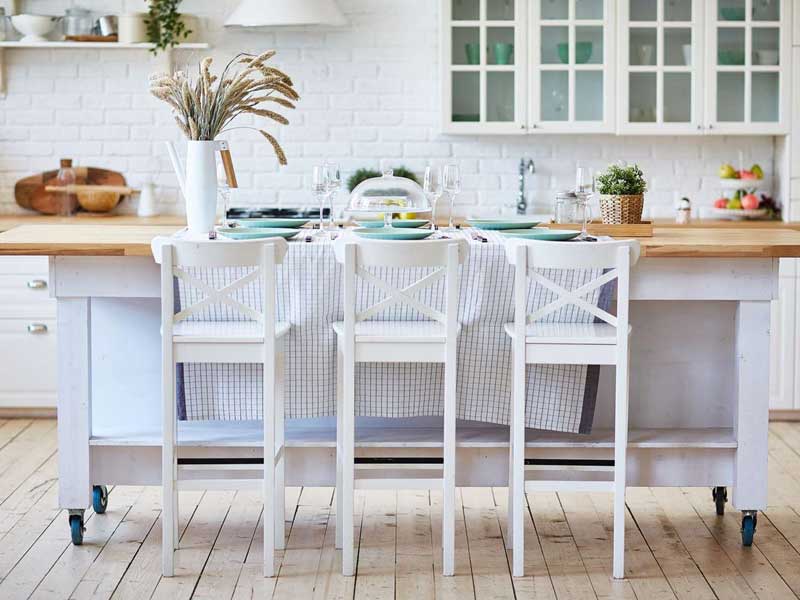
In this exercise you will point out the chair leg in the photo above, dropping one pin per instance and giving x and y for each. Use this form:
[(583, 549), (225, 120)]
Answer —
[(348, 464), (517, 491), (339, 447), (176, 530), (510, 498), (280, 450), (620, 474), (449, 484), (269, 467), (168, 475)]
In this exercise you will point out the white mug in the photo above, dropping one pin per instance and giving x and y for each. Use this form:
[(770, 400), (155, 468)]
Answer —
[(131, 28)]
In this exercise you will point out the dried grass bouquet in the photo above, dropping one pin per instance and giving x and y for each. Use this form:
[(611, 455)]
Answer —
[(204, 108)]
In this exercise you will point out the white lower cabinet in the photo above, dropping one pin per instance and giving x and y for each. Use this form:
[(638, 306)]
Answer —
[(27, 335)]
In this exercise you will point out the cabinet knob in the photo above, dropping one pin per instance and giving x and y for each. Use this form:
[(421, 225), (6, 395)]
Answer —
[(36, 328), (37, 284)]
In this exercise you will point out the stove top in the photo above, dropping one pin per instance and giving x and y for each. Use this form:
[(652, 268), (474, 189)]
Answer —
[(253, 212)]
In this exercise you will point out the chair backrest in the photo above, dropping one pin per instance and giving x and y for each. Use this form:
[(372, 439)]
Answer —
[(185, 259), (612, 259), (442, 256)]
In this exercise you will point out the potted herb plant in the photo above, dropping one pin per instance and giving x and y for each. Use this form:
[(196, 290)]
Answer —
[(165, 25), (621, 191)]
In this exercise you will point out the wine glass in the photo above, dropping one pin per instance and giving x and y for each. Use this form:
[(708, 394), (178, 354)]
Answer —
[(451, 179), (333, 183), (584, 190), (319, 187), (432, 187)]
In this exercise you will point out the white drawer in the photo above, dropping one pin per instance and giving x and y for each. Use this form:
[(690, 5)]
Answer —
[(28, 355), (25, 295), (32, 265)]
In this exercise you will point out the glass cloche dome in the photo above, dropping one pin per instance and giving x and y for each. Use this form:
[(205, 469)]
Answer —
[(387, 195)]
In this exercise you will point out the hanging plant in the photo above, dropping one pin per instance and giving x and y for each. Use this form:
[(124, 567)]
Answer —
[(165, 28)]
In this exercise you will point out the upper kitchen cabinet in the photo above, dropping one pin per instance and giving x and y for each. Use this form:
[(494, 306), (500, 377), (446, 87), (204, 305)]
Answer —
[(572, 66), (747, 56), (660, 66), (485, 66)]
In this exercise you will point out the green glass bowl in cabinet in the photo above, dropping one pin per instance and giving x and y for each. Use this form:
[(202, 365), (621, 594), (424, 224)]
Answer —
[(583, 52)]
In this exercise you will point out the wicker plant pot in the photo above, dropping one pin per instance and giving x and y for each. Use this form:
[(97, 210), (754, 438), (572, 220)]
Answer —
[(618, 210)]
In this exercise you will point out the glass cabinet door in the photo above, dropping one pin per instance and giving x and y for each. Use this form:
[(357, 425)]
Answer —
[(484, 58), (746, 66), (572, 50), (660, 66)]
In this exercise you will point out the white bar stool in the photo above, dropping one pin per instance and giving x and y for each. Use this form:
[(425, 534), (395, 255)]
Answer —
[(258, 340), (604, 342), (360, 340)]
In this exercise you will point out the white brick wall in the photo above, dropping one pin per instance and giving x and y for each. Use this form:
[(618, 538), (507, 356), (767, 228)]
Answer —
[(370, 99)]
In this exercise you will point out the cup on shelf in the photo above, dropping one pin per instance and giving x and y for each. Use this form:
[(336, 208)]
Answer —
[(131, 28), (645, 54), (473, 53), (767, 57), (687, 54), (503, 53)]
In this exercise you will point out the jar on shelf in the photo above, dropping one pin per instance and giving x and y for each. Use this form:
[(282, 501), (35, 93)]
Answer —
[(68, 201), (77, 21)]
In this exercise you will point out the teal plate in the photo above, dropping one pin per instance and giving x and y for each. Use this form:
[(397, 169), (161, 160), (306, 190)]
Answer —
[(392, 233), (396, 223), (542, 233), (247, 233), (500, 224), (278, 223)]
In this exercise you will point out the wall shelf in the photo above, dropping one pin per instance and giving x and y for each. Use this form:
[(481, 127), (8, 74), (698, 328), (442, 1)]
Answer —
[(165, 56)]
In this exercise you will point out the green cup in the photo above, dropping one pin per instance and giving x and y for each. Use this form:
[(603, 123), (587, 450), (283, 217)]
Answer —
[(502, 53), (473, 54)]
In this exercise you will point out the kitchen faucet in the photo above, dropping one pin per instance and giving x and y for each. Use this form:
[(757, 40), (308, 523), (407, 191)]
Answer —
[(529, 167)]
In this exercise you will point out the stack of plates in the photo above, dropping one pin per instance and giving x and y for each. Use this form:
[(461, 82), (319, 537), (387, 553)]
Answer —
[(258, 229), (393, 233), (396, 223), (523, 228)]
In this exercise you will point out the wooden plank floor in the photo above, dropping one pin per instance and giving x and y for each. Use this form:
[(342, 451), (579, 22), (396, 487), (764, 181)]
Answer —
[(676, 545)]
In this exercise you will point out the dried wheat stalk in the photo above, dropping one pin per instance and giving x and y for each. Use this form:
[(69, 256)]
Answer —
[(205, 105)]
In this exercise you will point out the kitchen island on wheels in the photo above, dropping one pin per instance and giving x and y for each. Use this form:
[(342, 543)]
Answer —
[(699, 380)]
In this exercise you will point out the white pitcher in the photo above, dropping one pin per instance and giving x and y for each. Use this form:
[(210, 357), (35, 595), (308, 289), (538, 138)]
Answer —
[(198, 181)]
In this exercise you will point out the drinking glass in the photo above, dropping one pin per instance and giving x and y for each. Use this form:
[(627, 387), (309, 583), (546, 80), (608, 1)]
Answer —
[(451, 179), (584, 189), (319, 187), (432, 187), (334, 182)]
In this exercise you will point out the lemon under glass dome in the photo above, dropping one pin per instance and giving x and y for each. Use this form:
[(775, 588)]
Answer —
[(387, 195)]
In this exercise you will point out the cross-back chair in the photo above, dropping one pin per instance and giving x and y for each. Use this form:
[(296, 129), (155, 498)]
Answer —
[(360, 339), (602, 342), (187, 338)]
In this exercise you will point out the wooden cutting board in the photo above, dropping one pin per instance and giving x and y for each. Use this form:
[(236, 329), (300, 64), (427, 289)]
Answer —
[(30, 192)]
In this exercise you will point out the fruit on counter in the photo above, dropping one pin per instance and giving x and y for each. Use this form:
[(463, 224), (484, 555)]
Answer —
[(734, 204), (757, 171), (727, 171), (745, 174), (721, 203), (750, 202)]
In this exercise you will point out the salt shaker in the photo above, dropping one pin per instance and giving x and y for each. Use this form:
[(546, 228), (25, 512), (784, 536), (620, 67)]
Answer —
[(683, 215)]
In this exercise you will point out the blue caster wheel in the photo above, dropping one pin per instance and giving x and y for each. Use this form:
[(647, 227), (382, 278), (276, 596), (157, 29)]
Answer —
[(720, 496), (99, 499), (749, 522), (76, 529)]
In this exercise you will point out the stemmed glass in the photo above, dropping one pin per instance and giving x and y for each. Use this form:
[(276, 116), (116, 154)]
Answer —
[(319, 187), (432, 187), (334, 182), (584, 189), (452, 185)]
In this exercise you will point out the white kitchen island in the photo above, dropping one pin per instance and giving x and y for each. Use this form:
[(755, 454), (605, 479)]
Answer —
[(699, 373)]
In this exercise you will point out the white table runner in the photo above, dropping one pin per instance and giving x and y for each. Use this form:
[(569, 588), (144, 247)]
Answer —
[(559, 397)]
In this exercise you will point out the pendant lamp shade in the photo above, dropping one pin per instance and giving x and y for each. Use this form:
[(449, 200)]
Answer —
[(282, 13)]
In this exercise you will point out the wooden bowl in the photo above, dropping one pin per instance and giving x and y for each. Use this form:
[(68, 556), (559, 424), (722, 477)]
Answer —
[(98, 202)]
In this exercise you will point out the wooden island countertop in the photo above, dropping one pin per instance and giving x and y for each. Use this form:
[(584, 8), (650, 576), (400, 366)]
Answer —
[(77, 239)]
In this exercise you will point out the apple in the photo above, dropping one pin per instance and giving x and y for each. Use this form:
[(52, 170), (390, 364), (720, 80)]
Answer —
[(745, 174), (727, 171), (734, 204), (721, 203), (750, 202), (757, 171)]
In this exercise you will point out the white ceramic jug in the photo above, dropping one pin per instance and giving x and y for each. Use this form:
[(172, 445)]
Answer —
[(198, 181)]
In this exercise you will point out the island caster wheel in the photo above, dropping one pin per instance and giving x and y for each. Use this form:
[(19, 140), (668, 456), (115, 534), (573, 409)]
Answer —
[(720, 496), (76, 529), (749, 522), (99, 499)]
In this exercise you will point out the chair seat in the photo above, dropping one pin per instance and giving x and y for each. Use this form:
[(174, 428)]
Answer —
[(223, 332), (568, 333), (397, 331)]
